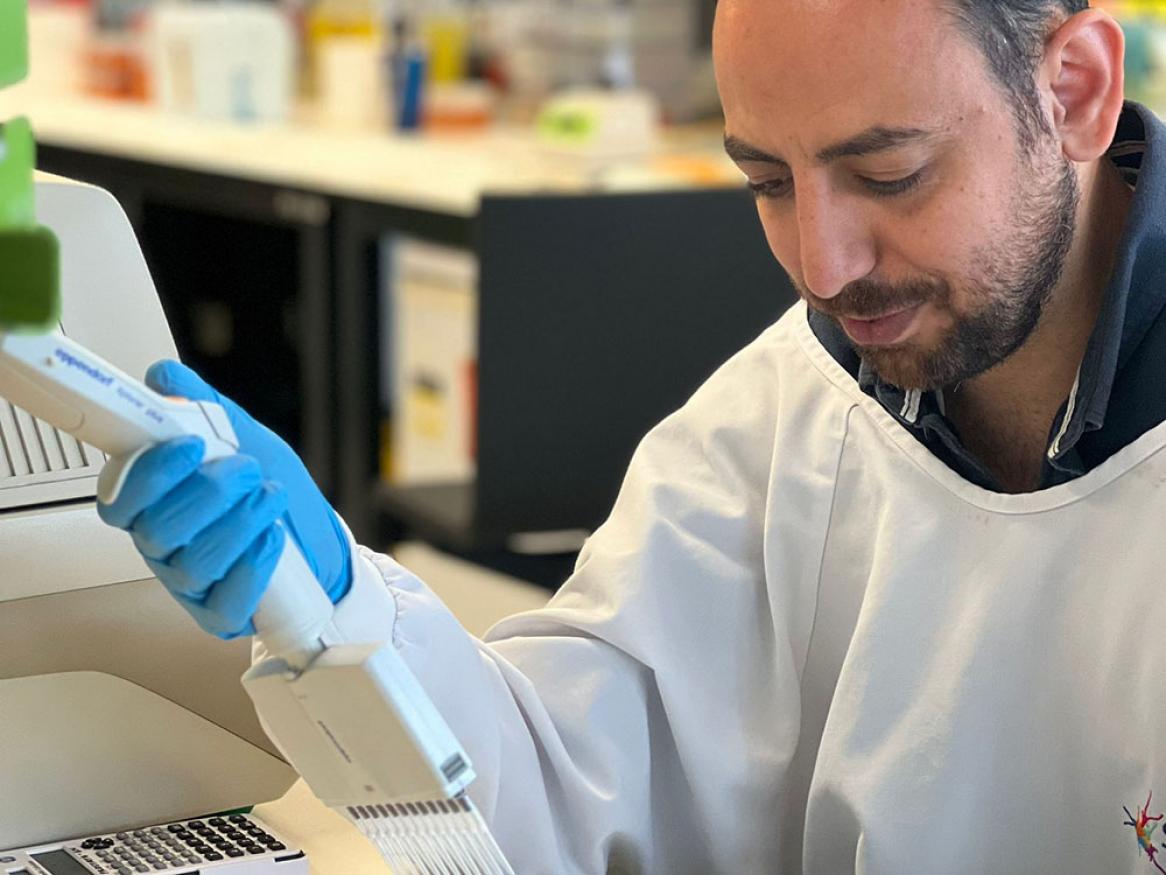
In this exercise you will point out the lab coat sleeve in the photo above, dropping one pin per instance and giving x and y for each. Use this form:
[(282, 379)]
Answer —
[(642, 721)]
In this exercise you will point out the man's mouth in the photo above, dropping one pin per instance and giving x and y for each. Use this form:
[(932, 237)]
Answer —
[(887, 329)]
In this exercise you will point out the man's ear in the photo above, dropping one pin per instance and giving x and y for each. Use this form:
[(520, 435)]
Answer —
[(1082, 71)]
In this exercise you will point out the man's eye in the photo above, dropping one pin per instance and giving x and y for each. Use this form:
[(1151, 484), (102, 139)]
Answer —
[(890, 188), (771, 188)]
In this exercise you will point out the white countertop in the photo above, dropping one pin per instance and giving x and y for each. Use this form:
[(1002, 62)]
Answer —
[(446, 174)]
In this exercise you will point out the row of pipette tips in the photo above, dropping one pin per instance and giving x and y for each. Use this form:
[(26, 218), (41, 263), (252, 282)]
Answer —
[(438, 837)]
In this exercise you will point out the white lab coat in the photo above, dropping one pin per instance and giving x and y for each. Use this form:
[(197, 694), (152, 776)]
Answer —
[(802, 643)]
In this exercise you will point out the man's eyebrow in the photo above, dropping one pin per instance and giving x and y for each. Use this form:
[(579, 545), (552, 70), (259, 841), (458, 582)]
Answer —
[(739, 151), (876, 139)]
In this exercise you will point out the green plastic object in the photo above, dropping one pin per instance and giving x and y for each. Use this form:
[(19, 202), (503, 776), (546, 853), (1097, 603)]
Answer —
[(13, 41), (30, 296), (29, 272), (17, 161), (29, 280)]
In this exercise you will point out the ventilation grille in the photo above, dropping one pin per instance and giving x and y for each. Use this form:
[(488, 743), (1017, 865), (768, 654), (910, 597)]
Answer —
[(31, 447), (39, 464)]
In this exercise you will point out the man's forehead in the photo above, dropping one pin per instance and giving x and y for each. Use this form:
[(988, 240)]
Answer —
[(825, 11), (828, 32), (820, 70)]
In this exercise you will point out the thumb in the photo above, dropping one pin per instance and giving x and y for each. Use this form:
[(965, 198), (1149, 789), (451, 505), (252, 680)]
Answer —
[(177, 380)]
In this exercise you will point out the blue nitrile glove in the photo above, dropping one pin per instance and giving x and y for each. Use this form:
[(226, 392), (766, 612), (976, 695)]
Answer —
[(208, 531)]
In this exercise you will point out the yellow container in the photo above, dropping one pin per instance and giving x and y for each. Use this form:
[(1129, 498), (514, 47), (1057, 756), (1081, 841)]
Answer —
[(337, 19), (447, 35)]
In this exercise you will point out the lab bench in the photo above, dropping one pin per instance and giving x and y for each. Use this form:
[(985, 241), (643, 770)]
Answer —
[(599, 312)]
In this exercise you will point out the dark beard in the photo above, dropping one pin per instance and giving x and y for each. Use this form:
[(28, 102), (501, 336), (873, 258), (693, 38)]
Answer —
[(1011, 292)]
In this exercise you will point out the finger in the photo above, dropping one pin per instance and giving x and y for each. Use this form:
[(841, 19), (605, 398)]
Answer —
[(159, 470), (233, 601), (194, 504), (175, 379), (210, 555), (192, 606), (207, 621)]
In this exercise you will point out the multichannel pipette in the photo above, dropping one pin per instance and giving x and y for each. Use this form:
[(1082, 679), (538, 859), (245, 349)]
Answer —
[(351, 718)]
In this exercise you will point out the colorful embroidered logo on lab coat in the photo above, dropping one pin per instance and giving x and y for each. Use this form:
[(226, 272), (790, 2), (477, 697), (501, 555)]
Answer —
[(1144, 826)]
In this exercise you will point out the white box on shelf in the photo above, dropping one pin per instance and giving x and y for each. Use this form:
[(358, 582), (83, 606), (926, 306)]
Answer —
[(429, 363), (229, 62)]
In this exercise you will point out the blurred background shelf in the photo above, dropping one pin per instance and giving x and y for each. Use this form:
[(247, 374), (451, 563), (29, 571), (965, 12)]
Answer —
[(595, 315), (444, 173), (464, 322), (602, 295)]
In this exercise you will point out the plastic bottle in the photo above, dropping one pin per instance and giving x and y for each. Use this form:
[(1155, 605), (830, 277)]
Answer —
[(446, 30), (343, 53)]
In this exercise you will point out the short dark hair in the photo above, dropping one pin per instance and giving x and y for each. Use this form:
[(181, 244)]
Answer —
[(1011, 34)]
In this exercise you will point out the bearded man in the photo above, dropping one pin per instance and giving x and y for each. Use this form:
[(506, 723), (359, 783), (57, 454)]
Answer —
[(883, 596)]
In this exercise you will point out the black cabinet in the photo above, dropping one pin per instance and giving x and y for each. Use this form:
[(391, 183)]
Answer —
[(598, 316)]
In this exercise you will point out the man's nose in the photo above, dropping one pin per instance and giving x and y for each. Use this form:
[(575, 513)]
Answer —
[(836, 244)]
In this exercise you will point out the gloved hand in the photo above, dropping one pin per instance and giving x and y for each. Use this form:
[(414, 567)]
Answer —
[(208, 531)]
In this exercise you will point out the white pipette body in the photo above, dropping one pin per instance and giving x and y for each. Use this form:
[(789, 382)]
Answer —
[(66, 385)]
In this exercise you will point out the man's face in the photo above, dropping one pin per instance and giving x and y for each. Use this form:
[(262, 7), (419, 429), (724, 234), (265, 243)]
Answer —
[(891, 181)]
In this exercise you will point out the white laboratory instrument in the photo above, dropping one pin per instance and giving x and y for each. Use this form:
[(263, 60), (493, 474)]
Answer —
[(96, 655), (351, 718)]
